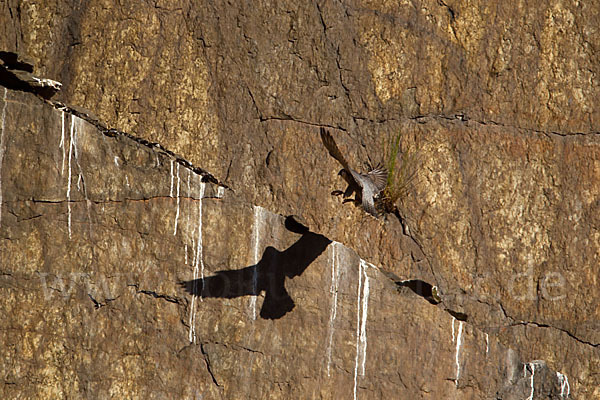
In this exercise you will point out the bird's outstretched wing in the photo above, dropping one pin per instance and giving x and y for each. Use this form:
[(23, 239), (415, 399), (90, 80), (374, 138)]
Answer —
[(372, 183), (379, 177), (369, 184), (332, 148)]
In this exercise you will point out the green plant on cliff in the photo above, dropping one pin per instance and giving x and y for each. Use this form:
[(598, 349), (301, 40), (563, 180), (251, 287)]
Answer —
[(402, 166)]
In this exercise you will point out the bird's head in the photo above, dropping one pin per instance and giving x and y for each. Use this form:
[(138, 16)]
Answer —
[(346, 176)]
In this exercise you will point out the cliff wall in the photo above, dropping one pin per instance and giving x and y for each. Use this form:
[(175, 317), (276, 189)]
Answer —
[(99, 228)]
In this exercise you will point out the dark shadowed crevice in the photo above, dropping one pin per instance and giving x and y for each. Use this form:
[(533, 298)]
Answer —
[(425, 290), (15, 61), (98, 304), (17, 74), (161, 296), (208, 365), (420, 288), (546, 326), (456, 314), (170, 299)]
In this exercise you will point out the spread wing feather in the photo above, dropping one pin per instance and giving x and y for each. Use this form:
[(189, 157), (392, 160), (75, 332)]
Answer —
[(332, 148), (379, 177)]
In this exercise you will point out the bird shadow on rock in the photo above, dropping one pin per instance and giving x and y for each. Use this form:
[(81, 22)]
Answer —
[(267, 275)]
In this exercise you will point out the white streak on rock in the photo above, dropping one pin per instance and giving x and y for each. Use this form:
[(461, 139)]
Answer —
[(186, 255), (116, 159), (61, 145), (3, 124), (357, 328), (189, 194), (333, 289), (178, 199), (198, 262), (458, 344), (363, 325), (45, 82), (220, 192), (193, 247), (453, 337), (371, 265), (172, 180), (71, 136), (487, 343), (257, 229), (361, 322), (78, 122), (76, 128), (532, 366), (564, 385), (199, 249)]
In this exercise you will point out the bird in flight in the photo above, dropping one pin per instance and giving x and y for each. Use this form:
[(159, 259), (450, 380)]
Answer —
[(365, 185)]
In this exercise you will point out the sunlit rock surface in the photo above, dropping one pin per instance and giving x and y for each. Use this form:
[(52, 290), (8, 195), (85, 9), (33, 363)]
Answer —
[(101, 236)]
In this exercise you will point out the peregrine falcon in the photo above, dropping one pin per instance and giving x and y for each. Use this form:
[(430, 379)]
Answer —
[(366, 186)]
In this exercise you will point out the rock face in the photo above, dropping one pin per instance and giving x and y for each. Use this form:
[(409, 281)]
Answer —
[(106, 237)]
